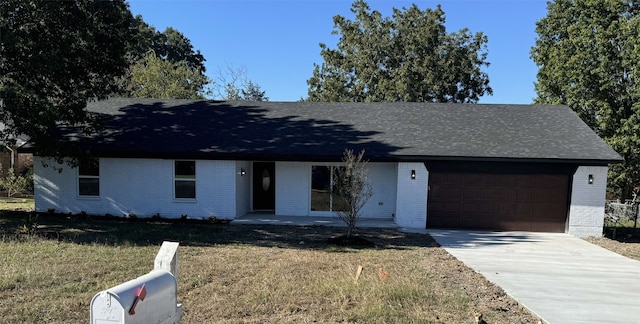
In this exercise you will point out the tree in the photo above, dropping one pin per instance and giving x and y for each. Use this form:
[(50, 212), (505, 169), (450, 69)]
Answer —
[(588, 52), (54, 57), (253, 92), (174, 54), (352, 187), (169, 45), (176, 47), (153, 77), (408, 57), (232, 83), (13, 183), (232, 93)]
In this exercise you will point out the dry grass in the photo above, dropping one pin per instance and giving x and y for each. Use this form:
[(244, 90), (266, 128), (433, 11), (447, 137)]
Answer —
[(16, 204), (628, 249), (49, 282), (244, 274)]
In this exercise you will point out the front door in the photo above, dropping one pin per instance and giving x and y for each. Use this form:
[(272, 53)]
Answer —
[(264, 184)]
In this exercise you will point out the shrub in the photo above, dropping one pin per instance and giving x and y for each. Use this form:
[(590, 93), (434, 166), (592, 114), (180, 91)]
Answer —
[(13, 184), (28, 175), (30, 225), (352, 187)]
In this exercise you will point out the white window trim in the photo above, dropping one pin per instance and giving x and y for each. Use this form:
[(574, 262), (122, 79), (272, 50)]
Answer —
[(194, 179), (79, 176)]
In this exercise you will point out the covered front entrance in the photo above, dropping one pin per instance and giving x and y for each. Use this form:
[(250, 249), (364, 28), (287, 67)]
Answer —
[(488, 201), (264, 183)]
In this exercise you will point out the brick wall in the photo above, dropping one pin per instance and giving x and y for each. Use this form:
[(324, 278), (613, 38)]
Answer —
[(138, 186), (5, 162), (22, 162), (243, 188), (586, 213), (293, 185), (411, 201)]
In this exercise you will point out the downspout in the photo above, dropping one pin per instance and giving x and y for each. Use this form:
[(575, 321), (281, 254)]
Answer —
[(12, 155), (7, 146)]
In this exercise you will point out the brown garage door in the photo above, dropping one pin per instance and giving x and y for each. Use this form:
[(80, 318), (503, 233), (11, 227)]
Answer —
[(513, 202)]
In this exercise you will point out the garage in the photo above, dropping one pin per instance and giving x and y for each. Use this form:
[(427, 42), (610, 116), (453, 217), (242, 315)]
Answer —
[(489, 201)]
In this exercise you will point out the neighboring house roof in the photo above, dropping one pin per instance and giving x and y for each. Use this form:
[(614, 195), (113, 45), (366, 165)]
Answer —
[(19, 140), (310, 131)]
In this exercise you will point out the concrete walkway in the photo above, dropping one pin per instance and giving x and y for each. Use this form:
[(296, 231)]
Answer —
[(258, 218), (560, 278)]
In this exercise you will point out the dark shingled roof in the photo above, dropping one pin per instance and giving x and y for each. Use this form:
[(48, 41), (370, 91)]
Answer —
[(303, 131)]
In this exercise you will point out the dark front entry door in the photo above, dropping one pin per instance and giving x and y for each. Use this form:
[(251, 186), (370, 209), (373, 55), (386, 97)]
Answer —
[(264, 186)]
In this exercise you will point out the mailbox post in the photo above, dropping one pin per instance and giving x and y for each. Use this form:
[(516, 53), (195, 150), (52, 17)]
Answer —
[(151, 298)]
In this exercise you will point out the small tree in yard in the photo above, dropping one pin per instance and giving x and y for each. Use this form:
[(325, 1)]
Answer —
[(352, 187), (13, 184)]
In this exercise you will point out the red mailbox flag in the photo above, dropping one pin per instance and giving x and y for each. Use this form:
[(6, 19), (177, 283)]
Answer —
[(140, 295)]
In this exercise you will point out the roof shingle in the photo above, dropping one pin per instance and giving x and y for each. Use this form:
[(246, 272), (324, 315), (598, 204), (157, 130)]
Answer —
[(321, 131)]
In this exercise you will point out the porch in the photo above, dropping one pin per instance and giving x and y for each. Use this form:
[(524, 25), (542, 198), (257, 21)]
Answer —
[(266, 218)]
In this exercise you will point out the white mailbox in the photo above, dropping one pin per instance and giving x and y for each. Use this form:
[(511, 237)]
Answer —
[(151, 298)]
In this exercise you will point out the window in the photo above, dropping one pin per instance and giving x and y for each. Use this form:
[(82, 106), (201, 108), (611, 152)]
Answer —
[(89, 177), (185, 179), (324, 196)]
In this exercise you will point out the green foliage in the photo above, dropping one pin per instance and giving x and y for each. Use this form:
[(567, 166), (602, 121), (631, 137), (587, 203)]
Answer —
[(153, 77), (253, 92), (408, 57), (54, 57), (163, 65), (232, 83), (28, 175), (352, 187), (588, 52), (249, 91), (232, 92), (12, 183), (30, 226), (170, 45)]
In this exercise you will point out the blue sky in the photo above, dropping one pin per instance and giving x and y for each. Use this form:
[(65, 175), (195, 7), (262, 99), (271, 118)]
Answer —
[(277, 41)]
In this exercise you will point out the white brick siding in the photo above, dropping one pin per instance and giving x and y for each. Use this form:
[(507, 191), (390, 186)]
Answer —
[(293, 185), (145, 187), (243, 188), (411, 201), (382, 177), (586, 213), (138, 186), (293, 190)]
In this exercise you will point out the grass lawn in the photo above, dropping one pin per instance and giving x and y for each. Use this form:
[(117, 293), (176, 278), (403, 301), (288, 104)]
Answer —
[(13, 204), (243, 273)]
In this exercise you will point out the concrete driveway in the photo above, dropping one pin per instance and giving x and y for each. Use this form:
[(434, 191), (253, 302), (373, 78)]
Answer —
[(560, 278)]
